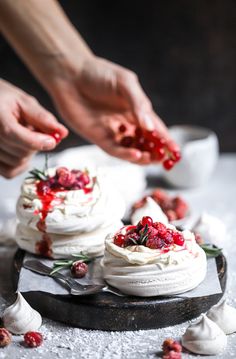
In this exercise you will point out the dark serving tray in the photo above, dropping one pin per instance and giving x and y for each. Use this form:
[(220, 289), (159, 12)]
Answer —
[(105, 311)]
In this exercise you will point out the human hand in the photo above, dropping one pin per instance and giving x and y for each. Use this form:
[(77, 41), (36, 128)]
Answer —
[(100, 95), (25, 128)]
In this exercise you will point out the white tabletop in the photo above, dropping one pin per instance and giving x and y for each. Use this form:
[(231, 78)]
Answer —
[(218, 197)]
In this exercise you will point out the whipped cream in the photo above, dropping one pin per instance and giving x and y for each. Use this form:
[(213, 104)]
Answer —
[(20, 317), (224, 316), (204, 337), (141, 271), (150, 208), (211, 228)]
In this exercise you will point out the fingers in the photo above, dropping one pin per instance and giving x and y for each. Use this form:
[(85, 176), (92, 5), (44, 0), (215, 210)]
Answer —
[(23, 137), (14, 150), (8, 171), (128, 154), (139, 103), (11, 160), (141, 107), (41, 119), (32, 140)]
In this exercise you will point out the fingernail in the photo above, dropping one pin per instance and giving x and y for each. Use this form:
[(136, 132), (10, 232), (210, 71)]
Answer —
[(48, 144), (148, 122)]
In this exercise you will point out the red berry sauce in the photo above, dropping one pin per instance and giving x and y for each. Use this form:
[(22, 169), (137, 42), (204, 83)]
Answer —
[(154, 235)]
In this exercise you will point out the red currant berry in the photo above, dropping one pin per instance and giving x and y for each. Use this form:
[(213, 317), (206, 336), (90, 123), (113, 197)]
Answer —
[(33, 339), (56, 136), (147, 221), (119, 240), (84, 178), (149, 146), (79, 269), (172, 355), (178, 238), (126, 141), (176, 156), (140, 143), (155, 243), (138, 132), (5, 337), (161, 228), (159, 153), (168, 164), (122, 128)]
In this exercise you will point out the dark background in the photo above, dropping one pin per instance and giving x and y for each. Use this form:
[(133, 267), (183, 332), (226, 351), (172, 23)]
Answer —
[(184, 52)]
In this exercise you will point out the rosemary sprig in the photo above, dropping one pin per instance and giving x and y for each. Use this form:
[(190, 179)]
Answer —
[(38, 174), (144, 235), (211, 251), (67, 263)]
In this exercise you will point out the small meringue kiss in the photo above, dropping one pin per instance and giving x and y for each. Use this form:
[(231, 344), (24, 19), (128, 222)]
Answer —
[(151, 209), (204, 337), (20, 317), (224, 316)]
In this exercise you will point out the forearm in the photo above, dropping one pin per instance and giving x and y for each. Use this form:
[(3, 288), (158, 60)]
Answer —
[(44, 38)]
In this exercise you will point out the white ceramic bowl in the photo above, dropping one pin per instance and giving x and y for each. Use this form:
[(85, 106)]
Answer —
[(200, 152)]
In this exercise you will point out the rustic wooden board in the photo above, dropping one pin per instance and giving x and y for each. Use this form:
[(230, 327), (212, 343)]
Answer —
[(106, 311)]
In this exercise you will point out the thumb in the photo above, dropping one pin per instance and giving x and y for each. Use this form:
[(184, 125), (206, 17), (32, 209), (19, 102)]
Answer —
[(139, 103), (41, 119)]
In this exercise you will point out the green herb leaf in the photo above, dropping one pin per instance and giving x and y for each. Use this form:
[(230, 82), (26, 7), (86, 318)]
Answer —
[(56, 269), (144, 239), (133, 241), (62, 263), (67, 263), (144, 235), (211, 251), (38, 174)]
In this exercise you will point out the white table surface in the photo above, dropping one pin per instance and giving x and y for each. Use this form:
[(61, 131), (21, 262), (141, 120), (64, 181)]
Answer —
[(218, 197)]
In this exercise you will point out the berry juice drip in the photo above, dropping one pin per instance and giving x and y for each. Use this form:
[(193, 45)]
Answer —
[(46, 196), (63, 181), (43, 247)]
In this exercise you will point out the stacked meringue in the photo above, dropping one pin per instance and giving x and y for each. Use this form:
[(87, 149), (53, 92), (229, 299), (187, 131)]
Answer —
[(77, 218), (207, 336)]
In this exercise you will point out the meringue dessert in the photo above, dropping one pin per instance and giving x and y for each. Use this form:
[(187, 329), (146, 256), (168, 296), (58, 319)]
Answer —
[(153, 259), (63, 212), (204, 337), (20, 317), (151, 208), (211, 228), (175, 208), (224, 316)]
